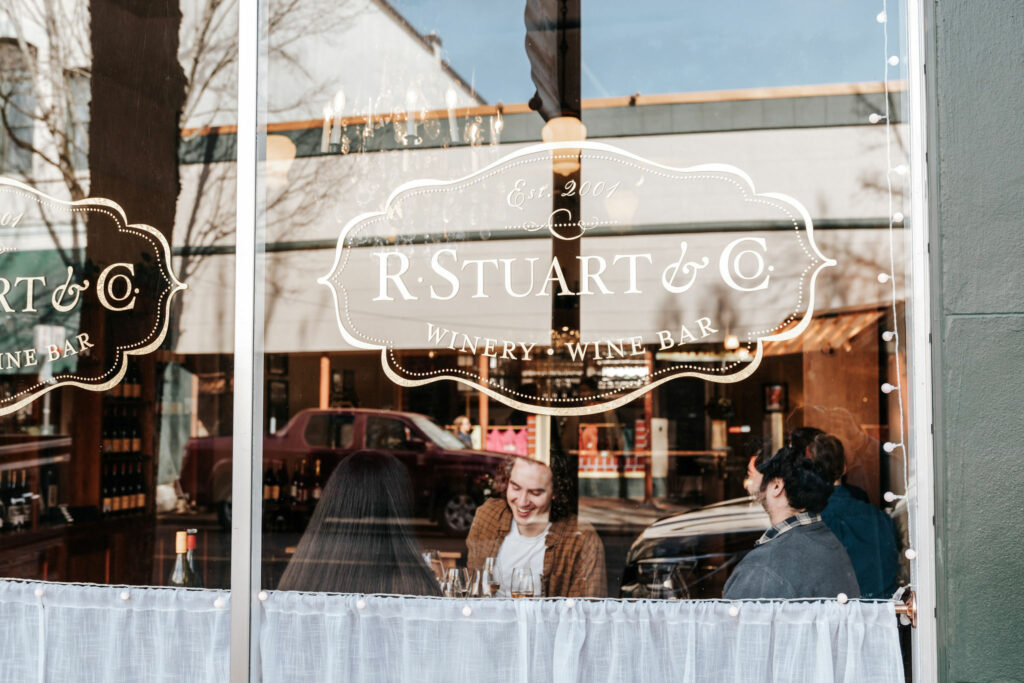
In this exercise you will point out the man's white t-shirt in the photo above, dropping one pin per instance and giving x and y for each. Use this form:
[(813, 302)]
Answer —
[(519, 551)]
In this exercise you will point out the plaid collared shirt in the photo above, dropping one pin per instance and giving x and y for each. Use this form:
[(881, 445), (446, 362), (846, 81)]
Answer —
[(573, 552), (799, 519)]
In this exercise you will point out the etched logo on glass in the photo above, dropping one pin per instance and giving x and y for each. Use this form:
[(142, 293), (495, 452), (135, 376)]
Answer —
[(523, 272), (81, 290)]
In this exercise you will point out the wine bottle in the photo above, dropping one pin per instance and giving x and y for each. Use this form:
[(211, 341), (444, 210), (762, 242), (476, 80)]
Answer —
[(268, 483), (50, 489), (293, 488), (135, 437), (140, 487), (282, 480), (301, 483), (181, 574), (116, 491), (125, 435), (17, 507), (107, 495), (318, 482), (190, 556), (3, 501)]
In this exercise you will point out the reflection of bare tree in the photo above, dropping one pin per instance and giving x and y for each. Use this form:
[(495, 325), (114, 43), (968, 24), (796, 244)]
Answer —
[(209, 57), (44, 73), (209, 54), (875, 182), (49, 71)]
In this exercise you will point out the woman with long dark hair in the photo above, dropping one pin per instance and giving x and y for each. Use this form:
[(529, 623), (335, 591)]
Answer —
[(358, 540)]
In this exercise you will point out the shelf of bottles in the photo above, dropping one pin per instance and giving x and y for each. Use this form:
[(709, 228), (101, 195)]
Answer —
[(123, 453), (289, 500), (28, 497)]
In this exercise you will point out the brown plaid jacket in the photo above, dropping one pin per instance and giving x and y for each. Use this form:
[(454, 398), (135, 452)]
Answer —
[(573, 553)]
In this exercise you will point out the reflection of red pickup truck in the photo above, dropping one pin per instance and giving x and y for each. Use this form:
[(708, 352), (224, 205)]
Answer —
[(446, 476)]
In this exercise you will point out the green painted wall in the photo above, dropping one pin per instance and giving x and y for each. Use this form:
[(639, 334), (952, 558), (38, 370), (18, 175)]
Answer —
[(976, 100)]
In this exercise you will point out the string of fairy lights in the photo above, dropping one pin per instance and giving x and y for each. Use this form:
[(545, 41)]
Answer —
[(900, 171)]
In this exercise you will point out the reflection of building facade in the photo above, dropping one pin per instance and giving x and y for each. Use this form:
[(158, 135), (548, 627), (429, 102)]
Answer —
[(850, 226)]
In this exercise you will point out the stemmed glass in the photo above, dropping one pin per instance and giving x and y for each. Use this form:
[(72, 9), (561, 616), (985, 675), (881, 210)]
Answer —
[(458, 582), (490, 579), (522, 583), (476, 585), (433, 560)]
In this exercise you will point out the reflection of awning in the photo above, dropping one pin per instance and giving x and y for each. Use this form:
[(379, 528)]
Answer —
[(20, 329), (830, 331)]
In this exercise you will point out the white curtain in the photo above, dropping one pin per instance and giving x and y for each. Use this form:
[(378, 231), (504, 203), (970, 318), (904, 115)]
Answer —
[(83, 633), (317, 637)]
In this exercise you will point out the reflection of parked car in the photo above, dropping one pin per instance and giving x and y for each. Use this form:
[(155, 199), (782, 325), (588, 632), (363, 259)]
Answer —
[(448, 478), (691, 554)]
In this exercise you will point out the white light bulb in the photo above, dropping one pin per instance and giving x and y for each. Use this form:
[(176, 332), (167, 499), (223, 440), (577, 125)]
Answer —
[(897, 217), (883, 277), (888, 447), (466, 611), (887, 388), (551, 352), (874, 118), (38, 592), (125, 595), (894, 60), (219, 603), (361, 604), (888, 335), (890, 497), (842, 598), (880, 17), (734, 611), (910, 553), (263, 595), (570, 603)]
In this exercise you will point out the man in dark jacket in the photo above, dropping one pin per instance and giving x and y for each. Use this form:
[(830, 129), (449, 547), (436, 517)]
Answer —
[(867, 533), (798, 557)]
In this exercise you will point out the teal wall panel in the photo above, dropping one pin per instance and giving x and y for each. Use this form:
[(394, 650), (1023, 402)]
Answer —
[(976, 115)]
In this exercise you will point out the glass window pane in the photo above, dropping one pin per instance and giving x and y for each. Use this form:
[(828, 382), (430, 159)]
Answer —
[(116, 249), (638, 249)]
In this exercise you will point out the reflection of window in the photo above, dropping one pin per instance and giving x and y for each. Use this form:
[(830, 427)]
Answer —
[(77, 129), (329, 431), (17, 106), (386, 434)]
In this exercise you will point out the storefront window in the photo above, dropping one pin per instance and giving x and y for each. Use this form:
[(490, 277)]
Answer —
[(545, 295), (637, 267), (110, 393)]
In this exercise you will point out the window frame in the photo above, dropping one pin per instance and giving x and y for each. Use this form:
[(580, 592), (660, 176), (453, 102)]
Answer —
[(246, 485)]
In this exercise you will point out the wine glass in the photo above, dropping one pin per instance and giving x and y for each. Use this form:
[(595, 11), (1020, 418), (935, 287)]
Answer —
[(465, 581), (490, 578), (476, 585), (522, 583), (457, 583), (433, 560)]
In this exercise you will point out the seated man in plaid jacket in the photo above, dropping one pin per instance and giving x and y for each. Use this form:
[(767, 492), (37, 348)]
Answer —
[(528, 526)]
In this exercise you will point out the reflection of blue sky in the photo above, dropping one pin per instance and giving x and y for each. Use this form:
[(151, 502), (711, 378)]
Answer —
[(660, 46)]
